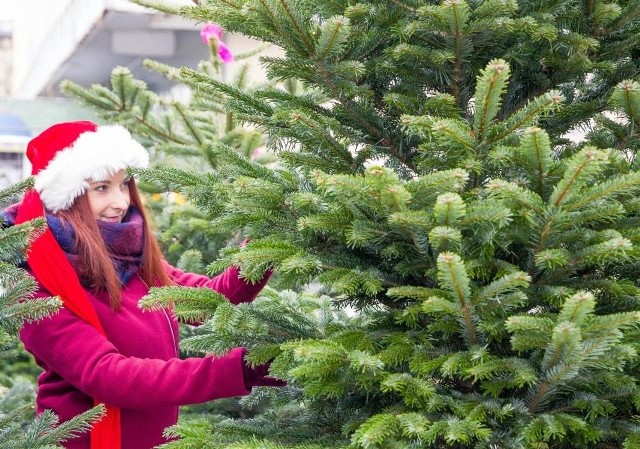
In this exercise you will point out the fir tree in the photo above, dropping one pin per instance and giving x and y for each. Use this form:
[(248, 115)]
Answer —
[(427, 181)]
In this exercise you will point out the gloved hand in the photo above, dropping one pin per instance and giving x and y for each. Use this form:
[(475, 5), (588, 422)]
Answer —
[(258, 376)]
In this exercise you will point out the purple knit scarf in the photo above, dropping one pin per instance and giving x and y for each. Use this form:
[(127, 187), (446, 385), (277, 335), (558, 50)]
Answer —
[(124, 240)]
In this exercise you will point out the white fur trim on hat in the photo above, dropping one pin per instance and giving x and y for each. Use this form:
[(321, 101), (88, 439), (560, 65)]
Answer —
[(93, 155)]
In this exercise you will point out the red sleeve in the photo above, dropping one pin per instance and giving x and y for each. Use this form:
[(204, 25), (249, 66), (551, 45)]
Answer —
[(81, 355), (229, 283)]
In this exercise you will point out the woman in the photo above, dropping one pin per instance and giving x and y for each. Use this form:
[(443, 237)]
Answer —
[(100, 257)]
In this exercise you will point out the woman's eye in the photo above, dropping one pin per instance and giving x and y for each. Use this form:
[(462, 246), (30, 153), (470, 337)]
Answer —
[(100, 188), (125, 185)]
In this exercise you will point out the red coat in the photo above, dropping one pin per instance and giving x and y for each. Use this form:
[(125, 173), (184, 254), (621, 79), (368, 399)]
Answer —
[(137, 368)]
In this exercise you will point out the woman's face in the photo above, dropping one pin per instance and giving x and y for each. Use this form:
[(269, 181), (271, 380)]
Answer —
[(109, 199)]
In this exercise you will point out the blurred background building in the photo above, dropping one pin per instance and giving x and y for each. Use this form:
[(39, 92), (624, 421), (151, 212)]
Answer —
[(83, 40), (43, 42)]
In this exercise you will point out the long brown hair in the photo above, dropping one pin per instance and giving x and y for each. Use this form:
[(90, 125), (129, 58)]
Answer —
[(95, 268)]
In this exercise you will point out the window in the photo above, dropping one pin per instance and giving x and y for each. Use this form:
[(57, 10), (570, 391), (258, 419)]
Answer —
[(10, 168)]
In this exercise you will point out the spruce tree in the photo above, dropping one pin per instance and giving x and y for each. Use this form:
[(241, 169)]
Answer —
[(478, 264)]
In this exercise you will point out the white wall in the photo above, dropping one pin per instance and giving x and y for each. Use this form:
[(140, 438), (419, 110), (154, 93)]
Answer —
[(45, 34)]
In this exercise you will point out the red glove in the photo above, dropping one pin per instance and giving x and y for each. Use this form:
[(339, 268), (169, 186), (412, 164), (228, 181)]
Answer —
[(258, 376)]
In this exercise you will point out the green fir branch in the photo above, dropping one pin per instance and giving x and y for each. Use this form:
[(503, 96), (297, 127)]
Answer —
[(579, 171), (491, 85), (9, 193), (626, 97), (453, 278)]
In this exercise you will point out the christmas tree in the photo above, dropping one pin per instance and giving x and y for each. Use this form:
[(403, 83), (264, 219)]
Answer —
[(460, 178), (18, 428)]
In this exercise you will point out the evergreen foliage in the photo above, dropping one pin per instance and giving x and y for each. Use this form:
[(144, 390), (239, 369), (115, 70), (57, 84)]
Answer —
[(15, 285), (427, 181)]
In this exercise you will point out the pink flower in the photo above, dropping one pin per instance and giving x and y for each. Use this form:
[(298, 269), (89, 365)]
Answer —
[(213, 31), (257, 152), (224, 53), (210, 31)]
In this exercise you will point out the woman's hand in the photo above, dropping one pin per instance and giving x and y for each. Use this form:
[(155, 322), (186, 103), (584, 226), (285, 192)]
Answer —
[(258, 376)]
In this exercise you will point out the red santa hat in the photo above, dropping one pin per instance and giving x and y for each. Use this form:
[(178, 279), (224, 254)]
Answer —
[(66, 155)]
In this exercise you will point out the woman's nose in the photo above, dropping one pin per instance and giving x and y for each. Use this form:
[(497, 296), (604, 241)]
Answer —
[(119, 199)]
